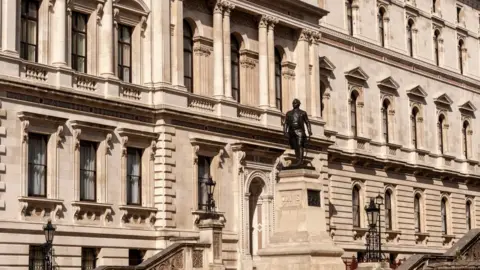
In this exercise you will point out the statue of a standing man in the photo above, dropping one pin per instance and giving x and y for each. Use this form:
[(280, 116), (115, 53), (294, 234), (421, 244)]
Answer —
[(294, 130)]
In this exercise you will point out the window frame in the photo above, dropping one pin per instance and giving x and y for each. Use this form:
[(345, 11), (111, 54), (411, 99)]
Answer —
[(120, 50), (85, 260), (356, 219), (381, 25), (202, 180), (85, 143), (388, 210), (461, 67), (385, 120), (465, 128), (410, 25), (24, 45), (189, 52), (353, 113), (278, 80), (128, 191), (33, 252), (440, 123), (444, 215), (349, 16), (468, 213), (414, 127), (45, 139), (74, 55), (417, 215), (235, 63), (436, 48)]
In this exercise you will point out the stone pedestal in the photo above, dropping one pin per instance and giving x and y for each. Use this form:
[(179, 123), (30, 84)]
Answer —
[(300, 240), (211, 226)]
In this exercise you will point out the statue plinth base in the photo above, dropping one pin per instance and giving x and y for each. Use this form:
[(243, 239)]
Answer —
[(301, 240), (374, 266)]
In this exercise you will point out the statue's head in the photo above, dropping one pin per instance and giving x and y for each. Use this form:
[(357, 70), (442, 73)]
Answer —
[(296, 103)]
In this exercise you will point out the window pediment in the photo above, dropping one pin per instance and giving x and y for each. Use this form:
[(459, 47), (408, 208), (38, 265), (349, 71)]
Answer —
[(36, 117), (357, 73), (133, 6), (468, 107), (136, 133), (84, 125), (443, 99), (418, 92), (389, 83), (326, 64), (205, 145)]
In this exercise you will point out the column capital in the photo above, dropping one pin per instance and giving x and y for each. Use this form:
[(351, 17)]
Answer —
[(316, 36), (227, 7), (272, 21), (305, 35), (263, 22), (217, 7)]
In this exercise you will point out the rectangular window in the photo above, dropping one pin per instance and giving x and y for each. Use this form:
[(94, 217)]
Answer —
[(35, 258), (88, 171), (29, 30), (417, 216), (459, 9), (135, 257), (349, 17), (203, 176), (79, 42), (125, 53), (134, 176), (37, 164), (353, 117), (89, 258)]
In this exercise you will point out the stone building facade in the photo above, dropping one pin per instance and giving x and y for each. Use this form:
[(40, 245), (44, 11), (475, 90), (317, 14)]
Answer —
[(115, 112)]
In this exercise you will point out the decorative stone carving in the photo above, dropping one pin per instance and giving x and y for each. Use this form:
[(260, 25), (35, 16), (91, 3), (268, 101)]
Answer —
[(24, 134), (40, 209), (197, 259), (76, 138), (92, 213), (153, 149), (108, 143), (124, 141), (137, 216), (99, 13), (59, 135)]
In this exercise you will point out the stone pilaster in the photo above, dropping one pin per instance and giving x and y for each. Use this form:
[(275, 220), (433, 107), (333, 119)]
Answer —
[(202, 49), (248, 63), (218, 74), (315, 102), (164, 178), (160, 31), (271, 60), (227, 59), (10, 26), (302, 72), (177, 43), (105, 64), (58, 42), (263, 63)]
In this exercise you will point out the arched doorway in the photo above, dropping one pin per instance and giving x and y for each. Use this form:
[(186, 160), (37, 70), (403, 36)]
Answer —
[(257, 211)]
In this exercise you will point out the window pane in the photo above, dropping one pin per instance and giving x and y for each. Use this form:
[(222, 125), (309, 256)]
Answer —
[(31, 53), (32, 32), (37, 164), (126, 74), (81, 44), (80, 64), (187, 61), (126, 55), (32, 9), (88, 171), (81, 23), (134, 171), (24, 31)]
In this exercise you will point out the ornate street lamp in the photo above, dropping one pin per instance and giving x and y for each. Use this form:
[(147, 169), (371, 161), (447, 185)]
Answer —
[(374, 240), (210, 189), (49, 231)]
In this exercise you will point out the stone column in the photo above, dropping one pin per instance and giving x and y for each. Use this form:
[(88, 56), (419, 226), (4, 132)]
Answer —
[(263, 63), (177, 42), (106, 41), (218, 74), (315, 101), (227, 59), (10, 26), (302, 73), (161, 39), (271, 61), (59, 33)]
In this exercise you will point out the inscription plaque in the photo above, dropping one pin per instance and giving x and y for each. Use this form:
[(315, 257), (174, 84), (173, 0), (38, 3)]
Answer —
[(291, 198)]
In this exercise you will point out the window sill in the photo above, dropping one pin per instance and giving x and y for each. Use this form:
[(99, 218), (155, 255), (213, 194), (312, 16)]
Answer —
[(447, 238), (393, 235), (359, 232), (138, 216), (86, 212), (40, 208), (420, 237)]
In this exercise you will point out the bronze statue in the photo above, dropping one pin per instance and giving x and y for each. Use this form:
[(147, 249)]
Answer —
[(294, 130)]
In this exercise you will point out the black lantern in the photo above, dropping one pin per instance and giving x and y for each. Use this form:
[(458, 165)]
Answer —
[(49, 231), (210, 189), (372, 213), (379, 200)]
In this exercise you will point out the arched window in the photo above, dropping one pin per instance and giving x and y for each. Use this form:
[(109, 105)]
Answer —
[(322, 94), (235, 57), (188, 56), (468, 209), (417, 213), (465, 138), (410, 37), (348, 5), (460, 56), (436, 41), (441, 121), (278, 80), (353, 112), (443, 213), (413, 120), (388, 210), (356, 206), (381, 26), (386, 105)]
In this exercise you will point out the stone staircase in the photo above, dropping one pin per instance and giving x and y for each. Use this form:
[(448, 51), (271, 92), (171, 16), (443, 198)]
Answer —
[(177, 256)]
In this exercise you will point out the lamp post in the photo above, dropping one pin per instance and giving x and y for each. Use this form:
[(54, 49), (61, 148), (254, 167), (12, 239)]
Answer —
[(210, 189), (374, 241), (49, 230)]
